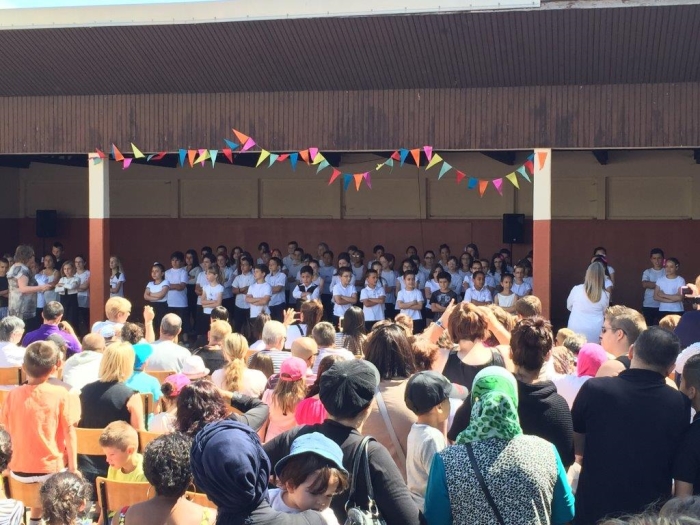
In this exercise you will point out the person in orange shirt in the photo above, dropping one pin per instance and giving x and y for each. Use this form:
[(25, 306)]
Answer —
[(39, 418)]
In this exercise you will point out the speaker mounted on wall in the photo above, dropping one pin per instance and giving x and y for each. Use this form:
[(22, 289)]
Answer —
[(46, 224), (513, 228)]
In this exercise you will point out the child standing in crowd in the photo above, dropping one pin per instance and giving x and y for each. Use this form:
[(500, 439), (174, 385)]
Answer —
[(344, 294), (444, 256), (377, 251), (478, 294), (310, 476), (229, 274), (440, 298), (82, 273), (260, 292), (432, 284), (208, 261), (177, 279), (372, 298), (668, 288), (428, 397), (600, 251), (388, 277), (520, 286), (326, 272), (468, 280), (506, 299), (277, 281), (293, 267), (306, 290), (212, 293), (4, 290), (358, 269), (410, 301), (157, 293), (465, 266), (453, 270), (67, 290), (116, 277), (496, 269), (241, 312), (120, 443), (650, 306), (193, 270)]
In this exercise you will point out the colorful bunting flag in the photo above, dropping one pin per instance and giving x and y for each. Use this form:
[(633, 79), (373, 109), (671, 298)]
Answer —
[(334, 175), (212, 155), (358, 180), (460, 176), (263, 155), (273, 159), (529, 166), (117, 154), (368, 180), (137, 152), (472, 183), (498, 184), (389, 162), (523, 172), (100, 153), (403, 154), (312, 153), (203, 156), (379, 166), (158, 156), (318, 158), (415, 153), (322, 165), (183, 155), (396, 155), (347, 179), (513, 178), (293, 158), (190, 156), (428, 151), (483, 184), (232, 145), (228, 153), (127, 163), (542, 157), (444, 169), (248, 144), (96, 160), (435, 160), (283, 157), (304, 154), (242, 137)]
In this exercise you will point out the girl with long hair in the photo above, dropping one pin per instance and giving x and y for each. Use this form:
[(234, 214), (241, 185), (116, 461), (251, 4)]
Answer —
[(283, 400), (587, 303), (236, 376)]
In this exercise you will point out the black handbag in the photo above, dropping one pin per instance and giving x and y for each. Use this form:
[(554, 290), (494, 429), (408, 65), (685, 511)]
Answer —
[(358, 515)]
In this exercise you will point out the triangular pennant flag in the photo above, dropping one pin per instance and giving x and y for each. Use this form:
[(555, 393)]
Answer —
[(531, 156), (347, 179), (542, 157), (101, 153), (263, 155), (334, 175), (523, 172), (293, 158), (498, 184), (322, 165), (428, 151), (529, 166), (190, 156), (183, 155), (318, 158), (231, 144), (283, 157), (389, 162), (212, 155), (148, 159), (416, 155), (513, 178), (312, 153), (396, 155), (228, 153), (96, 160), (137, 152), (444, 169), (358, 180), (248, 144), (460, 176), (273, 159), (117, 154), (304, 154), (159, 156), (368, 180), (483, 184), (379, 166), (403, 154), (472, 183), (435, 160), (127, 163), (203, 155), (242, 137)]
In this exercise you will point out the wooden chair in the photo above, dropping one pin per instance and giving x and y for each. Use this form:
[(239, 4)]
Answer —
[(112, 496), (89, 441), (149, 407), (11, 376), (200, 499), (27, 493), (160, 375), (145, 437)]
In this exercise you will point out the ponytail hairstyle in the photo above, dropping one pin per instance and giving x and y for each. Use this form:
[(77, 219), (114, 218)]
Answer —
[(235, 348), (63, 497)]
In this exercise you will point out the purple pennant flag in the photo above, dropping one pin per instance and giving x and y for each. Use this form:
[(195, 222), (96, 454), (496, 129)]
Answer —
[(498, 184)]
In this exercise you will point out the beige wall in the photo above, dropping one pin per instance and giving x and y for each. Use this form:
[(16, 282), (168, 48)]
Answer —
[(633, 185)]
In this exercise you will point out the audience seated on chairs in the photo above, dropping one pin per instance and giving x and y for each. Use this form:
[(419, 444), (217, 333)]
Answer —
[(11, 511), (167, 353), (64, 497), (52, 314), (120, 444), (84, 368), (166, 420)]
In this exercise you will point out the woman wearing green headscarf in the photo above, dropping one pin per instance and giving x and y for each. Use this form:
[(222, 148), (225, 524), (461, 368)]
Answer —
[(494, 474)]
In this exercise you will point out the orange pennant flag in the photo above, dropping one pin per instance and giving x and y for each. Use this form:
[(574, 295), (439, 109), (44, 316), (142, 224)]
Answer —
[(190, 156), (117, 154), (483, 184), (304, 155), (358, 180), (242, 137), (542, 157), (335, 175), (416, 155)]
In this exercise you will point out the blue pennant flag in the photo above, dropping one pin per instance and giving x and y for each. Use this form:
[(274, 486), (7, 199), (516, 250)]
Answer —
[(293, 158), (347, 179), (230, 144), (472, 183), (183, 156), (403, 153)]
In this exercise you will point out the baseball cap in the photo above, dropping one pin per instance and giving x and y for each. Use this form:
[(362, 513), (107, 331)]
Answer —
[(177, 383), (347, 387), (143, 351), (314, 443), (426, 390), (292, 369)]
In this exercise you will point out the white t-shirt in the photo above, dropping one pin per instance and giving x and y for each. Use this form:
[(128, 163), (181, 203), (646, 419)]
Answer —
[(358, 276), (11, 355), (210, 293), (483, 295), (323, 352), (420, 282), (423, 443), (68, 285), (279, 279), (258, 290), (252, 383), (455, 283), (202, 282), (671, 287), (157, 288), (586, 317), (521, 290), (373, 313), (177, 298), (279, 505), (314, 294), (326, 273), (346, 291), (167, 355), (113, 280), (83, 297), (651, 275), (243, 280), (433, 286), (506, 301), (568, 387), (406, 296)]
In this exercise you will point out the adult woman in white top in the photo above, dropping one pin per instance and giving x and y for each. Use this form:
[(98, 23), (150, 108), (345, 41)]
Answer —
[(82, 273), (668, 288), (236, 376), (116, 278), (587, 303)]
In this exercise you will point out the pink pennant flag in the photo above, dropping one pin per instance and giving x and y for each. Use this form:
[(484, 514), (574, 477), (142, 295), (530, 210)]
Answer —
[(428, 152), (498, 184), (248, 144), (368, 179), (203, 155), (100, 153), (312, 153), (127, 163), (283, 157), (334, 176)]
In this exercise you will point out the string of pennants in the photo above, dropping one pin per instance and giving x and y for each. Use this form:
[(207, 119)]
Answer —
[(312, 156)]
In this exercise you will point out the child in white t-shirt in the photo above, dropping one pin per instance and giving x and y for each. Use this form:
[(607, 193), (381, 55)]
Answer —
[(67, 290), (410, 301), (259, 293), (650, 307), (520, 287), (372, 298), (177, 289), (344, 294), (157, 293), (241, 310), (668, 288), (478, 294), (506, 299), (277, 281), (388, 277), (212, 292), (116, 278)]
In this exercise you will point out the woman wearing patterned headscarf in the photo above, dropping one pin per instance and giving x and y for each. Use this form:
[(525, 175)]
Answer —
[(494, 474)]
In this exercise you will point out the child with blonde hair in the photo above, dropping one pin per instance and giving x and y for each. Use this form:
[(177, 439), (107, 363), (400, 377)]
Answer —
[(236, 376)]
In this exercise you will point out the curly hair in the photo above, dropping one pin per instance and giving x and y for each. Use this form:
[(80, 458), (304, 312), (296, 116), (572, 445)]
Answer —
[(199, 403), (530, 342), (62, 497), (166, 464), (5, 448)]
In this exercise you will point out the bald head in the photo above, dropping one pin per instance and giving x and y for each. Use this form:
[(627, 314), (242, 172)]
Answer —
[(94, 342), (305, 348)]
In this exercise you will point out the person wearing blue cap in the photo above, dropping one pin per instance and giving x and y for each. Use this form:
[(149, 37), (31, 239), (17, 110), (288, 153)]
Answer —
[(140, 380), (310, 476)]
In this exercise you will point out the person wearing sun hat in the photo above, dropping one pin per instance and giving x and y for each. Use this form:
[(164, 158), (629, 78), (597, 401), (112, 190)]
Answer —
[(166, 420), (347, 392), (194, 368), (140, 380)]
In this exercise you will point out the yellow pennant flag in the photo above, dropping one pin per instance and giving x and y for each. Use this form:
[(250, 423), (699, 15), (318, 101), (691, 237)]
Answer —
[(318, 159), (203, 156), (435, 160), (512, 178), (137, 152), (263, 155)]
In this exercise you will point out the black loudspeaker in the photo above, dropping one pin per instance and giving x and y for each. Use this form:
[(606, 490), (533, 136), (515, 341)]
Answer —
[(46, 221), (513, 228)]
